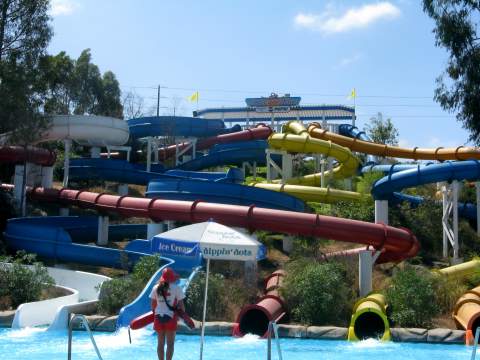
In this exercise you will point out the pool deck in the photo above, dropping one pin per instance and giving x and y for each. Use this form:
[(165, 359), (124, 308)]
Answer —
[(220, 328)]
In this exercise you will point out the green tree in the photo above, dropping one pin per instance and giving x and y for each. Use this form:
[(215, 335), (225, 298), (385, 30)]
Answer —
[(24, 36), (412, 296), (458, 87), (382, 131), (78, 87)]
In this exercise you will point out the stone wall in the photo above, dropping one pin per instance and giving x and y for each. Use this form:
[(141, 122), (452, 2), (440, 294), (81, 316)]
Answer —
[(219, 328)]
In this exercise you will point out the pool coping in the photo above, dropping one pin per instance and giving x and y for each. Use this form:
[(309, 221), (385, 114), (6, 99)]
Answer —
[(222, 328)]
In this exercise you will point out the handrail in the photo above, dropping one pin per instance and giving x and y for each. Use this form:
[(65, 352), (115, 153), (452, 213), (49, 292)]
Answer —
[(273, 328), (87, 328), (475, 343)]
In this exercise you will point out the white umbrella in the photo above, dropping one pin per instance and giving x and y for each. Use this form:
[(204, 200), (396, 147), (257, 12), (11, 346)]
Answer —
[(216, 242)]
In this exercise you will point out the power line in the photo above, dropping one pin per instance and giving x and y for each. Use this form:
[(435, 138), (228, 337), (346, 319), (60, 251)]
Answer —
[(300, 93)]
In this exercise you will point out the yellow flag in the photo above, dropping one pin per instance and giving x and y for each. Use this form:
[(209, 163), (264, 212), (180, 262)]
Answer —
[(353, 94), (194, 97)]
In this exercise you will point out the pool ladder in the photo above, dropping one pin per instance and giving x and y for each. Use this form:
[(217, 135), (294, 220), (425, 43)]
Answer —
[(87, 328), (273, 329)]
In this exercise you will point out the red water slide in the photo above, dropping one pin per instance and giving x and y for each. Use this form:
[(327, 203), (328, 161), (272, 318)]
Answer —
[(17, 155), (260, 132), (396, 244)]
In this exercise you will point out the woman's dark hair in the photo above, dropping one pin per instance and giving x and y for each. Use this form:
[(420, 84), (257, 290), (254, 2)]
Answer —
[(162, 287)]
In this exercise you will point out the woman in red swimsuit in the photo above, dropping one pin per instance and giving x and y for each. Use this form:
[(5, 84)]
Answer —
[(166, 296)]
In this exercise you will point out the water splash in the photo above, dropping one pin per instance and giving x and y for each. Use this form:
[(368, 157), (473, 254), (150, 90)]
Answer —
[(371, 343), (25, 332), (248, 339)]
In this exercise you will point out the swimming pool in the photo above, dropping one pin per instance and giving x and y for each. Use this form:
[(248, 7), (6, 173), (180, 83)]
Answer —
[(37, 344)]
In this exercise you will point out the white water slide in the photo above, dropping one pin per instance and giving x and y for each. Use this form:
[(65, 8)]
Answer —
[(81, 291)]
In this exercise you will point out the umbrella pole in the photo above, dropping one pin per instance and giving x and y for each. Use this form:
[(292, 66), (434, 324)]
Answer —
[(204, 309)]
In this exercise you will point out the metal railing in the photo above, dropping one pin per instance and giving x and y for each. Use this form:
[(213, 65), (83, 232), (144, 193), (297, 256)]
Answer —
[(475, 343), (273, 329), (87, 328)]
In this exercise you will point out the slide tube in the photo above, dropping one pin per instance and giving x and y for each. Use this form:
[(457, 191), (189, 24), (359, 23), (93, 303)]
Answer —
[(354, 144), (18, 155), (297, 140), (369, 319), (396, 244), (467, 313), (421, 175), (260, 132), (309, 193), (254, 318)]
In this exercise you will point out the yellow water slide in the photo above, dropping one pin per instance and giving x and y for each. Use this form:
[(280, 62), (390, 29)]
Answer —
[(439, 153), (369, 317), (295, 139)]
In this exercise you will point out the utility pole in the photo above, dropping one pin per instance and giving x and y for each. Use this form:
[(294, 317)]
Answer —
[(158, 100)]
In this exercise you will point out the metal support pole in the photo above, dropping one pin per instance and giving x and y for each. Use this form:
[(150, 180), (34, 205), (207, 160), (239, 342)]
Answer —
[(149, 153), (366, 260), (381, 211), (455, 188), (66, 161), (205, 299), (47, 176), (154, 229), (102, 233), (287, 167)]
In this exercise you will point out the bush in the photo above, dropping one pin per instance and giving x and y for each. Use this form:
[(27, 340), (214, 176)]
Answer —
[(318, 293), (412, 297), (20, 284), (217, 297), (116, 293)]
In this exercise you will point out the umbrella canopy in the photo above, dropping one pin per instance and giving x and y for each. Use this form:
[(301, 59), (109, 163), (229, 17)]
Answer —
[(214, 241)]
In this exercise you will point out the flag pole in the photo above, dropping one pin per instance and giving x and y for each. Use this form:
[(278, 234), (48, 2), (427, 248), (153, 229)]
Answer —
[(204, 309)]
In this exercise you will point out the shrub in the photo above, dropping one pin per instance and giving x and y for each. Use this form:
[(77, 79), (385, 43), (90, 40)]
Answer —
[(20, 284), (317, 293), (412, 297), (217, 297), (145, 268), (116, 293)]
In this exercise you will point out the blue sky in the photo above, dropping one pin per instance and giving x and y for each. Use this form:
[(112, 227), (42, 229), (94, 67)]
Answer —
[(230, 50)]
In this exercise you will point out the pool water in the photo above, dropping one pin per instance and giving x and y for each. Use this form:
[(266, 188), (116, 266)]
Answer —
[(38, 344)]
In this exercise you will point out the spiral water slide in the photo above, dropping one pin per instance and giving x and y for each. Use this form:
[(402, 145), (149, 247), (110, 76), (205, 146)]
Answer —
[(296, 140)]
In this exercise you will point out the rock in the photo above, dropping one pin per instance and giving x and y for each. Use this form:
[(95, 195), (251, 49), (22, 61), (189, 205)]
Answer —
[(327, 332), (409, 334), (6, 318), (219, 328), (446, 336), (107, 324), (292, 331), (184, 329)]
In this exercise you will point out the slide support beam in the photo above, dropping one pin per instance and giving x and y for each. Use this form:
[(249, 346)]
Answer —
[(381, 211), (102, 235)]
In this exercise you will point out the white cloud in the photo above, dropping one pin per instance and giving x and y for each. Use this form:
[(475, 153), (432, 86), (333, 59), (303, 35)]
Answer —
[(353, 18), (348, 61), (63, 7)]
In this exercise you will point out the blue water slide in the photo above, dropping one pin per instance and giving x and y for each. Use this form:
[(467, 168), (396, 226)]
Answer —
[(230, 154), (224, 193), (389, 169), (233, 175), (421, 175), (356, 133), (129, 173), (51, 237), (141, 304), (177, 126)]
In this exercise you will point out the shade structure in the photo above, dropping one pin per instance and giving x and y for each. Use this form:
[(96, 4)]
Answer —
[(214, 241)]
